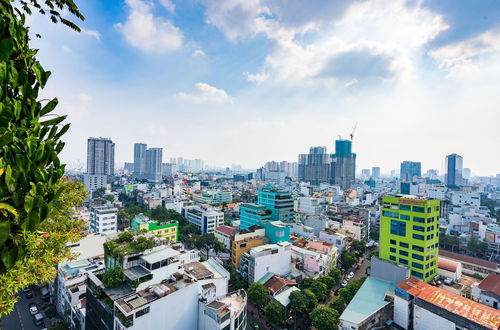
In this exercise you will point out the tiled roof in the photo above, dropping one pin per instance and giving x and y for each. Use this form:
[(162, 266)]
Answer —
[(466, 308), (276, 283), (491, 284), (226, 230), (468, 259)]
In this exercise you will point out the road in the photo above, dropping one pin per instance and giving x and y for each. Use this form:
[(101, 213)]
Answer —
[(20, 317)]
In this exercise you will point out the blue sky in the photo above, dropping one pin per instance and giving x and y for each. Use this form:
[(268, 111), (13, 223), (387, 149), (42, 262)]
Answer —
[(247, 81)]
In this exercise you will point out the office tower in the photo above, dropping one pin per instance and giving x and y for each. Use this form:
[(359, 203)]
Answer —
[(432, 174), (100, 156), (294, 169), (253, 214), (365, 173), (409, 234), (272, 166), (409, 170), (345, 164), (140, 160), (453, 167), (466, 173), (279, 201), (154, 164), (376, 173), (168, 169), (315, 167)]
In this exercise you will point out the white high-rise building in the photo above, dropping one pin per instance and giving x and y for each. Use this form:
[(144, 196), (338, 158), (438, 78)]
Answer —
[(103, 219), (100, 156), (140, 160), (154, 158)]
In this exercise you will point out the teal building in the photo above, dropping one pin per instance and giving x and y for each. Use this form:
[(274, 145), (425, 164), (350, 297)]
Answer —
[(278, 201), (276, 231), (252, 214)]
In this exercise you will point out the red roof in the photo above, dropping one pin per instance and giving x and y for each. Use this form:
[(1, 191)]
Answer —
[(466, 308), (448, 265), (276, 283), (491, 284), (230, 231), (468, 259)]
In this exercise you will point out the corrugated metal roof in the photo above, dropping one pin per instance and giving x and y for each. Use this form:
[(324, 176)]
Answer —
[(466, 308)]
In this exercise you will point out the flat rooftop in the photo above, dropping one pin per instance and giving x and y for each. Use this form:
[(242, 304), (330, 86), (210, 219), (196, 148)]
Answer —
[(466, 308), (369, 299), (235, 300), (160, 255)]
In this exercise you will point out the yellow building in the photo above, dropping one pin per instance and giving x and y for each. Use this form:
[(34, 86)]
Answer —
[(243, 242)]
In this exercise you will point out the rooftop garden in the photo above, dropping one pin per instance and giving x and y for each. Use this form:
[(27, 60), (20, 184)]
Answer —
[(129, 243)]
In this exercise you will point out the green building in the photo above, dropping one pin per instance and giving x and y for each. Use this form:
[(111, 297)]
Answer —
[(409, 234), (252, 214)]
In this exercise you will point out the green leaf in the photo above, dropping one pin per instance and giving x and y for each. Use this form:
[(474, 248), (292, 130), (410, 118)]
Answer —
[(28, 203), (6, 48), (62, 132), (39, 73), (5, 139), (53, 121), (4, 231), (9, 257), (49, 107)]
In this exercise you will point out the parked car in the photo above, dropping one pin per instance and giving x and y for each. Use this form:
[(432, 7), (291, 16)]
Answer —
[(39, 319), (350, 275), (33, 310), (344, 283)]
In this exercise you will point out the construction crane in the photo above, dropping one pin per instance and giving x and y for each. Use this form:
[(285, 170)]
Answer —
[(352, 134), (340, 137)]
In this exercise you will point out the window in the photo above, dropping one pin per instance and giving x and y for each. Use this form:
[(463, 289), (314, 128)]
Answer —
[(393, 258), (404, 217), (403, 244), (429, 237), (403, 261), (418, 228), (398, 228), (405, 207), (419, 237), (417, 265), (393, 242), (430, 228), (418, 209), (429, 220), (390, 214), (428, 210), (393, 250), (403, 253), (417, 256), (417, 274), (418, 248), (142, 312), (418, 219)]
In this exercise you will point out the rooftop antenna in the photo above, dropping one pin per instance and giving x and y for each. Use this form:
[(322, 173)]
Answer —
[(340, 137), (352, 134)]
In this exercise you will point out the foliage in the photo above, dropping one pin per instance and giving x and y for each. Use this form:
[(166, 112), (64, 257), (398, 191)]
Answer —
[(374, 235), (30, 169), (113, 277), (477, 276), (45, 247), (110, 198), (128, 243), (349, 291), (338, 304), (347, 259), (335, 274), (298, 301), (325, 318), (312, 301), (209, 241), (328, 281), (359, 247), (372, 254), (275, 312), (476, 246), (163, 214), (306, 283), (257, 294), (99, 192), (319, 289), (235, 279)]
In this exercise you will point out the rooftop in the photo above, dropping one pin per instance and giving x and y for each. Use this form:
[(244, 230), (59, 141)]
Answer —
[(369, 299), (284, 296), (228, 230), (235, 300), (275, 283), (447, 264), (160, 255), (468, 259), (197, 270), (466, 308), (491, 284)]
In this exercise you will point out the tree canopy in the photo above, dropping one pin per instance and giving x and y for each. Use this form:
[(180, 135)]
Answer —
[(347, 259), (257, 294), (275, 312), (325, 318)]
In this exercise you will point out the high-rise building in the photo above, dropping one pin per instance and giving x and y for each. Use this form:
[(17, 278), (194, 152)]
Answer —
[(365, 173), (100, 156), (453, 167), (140, 160), (315, 167), (466, 173), (154, 164), (279, 201), (409, 170), (409, 234), (376, 173), (345, 164)]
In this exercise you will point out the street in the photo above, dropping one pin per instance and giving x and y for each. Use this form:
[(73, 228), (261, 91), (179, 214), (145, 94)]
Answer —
[(20, 317)]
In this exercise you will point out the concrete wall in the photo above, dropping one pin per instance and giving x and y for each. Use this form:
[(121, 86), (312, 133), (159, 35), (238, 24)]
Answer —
[(425, 320)]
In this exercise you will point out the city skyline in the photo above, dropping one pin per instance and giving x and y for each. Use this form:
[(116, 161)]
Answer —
[(255, 76)]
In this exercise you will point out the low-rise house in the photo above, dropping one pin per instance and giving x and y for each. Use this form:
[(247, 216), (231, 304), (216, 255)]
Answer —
[(488, 291), (225, 235)]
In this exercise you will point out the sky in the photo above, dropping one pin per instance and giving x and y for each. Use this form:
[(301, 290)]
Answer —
[(249, 81)]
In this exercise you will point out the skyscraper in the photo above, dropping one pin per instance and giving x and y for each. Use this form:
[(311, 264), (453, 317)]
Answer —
[(376, 173), (409, 170), (315, 167), (140, 160), (453, 167), (409, 234), (344, 168), (100, 156), (154, 164)]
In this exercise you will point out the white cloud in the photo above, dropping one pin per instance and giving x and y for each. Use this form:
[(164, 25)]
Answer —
[(77, 106), (351, 82), (256, 77), (92, 33), (457, 58), (150, 33), (199, 52), (205, 94), (168, 5)]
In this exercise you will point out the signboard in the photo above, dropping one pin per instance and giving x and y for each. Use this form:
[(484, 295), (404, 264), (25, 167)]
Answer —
[(411, 201)]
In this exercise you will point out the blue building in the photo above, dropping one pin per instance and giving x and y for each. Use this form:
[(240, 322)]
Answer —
[(252, 214), (409, 170), (279, 201), (454, 168), (344, 167)]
